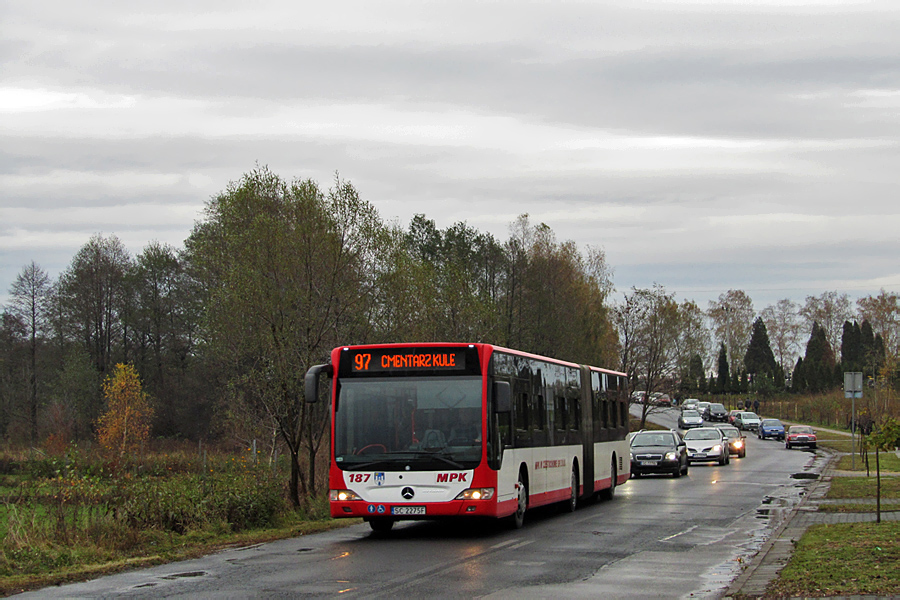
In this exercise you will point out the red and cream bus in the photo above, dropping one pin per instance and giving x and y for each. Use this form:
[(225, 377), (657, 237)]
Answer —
[(429, 431)]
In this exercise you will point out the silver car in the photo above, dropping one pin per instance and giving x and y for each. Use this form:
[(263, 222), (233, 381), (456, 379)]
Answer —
[(747, 420), (707, 444), (689, 419)]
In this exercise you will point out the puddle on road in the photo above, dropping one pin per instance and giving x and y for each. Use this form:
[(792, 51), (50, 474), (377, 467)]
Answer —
[(184, 575)]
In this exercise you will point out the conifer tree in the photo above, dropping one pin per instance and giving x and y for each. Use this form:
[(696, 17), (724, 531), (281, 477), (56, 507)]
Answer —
[(851, 349), (723, 382), (759, 359)]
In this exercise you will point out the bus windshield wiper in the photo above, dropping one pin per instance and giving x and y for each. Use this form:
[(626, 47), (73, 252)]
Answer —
[(359, 466), (442, 455), (394, 457)]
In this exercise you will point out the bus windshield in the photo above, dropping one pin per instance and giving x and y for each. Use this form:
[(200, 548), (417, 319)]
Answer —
[(408, 423)]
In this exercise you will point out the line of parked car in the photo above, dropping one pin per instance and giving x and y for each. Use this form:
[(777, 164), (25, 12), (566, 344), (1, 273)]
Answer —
[(671, 452)]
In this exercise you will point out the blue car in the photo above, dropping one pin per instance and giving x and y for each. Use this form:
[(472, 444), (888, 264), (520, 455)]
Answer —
[(770, 428)]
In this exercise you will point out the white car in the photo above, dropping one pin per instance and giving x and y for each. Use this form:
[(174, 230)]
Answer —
[(707, 444)]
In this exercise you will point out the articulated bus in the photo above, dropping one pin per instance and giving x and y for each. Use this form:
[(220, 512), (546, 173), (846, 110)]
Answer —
[(431, 431)]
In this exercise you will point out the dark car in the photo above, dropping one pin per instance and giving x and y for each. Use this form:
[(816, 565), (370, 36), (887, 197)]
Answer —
[(716, 412), (770, 428), (737, 441), (800, 435), (658, 452)]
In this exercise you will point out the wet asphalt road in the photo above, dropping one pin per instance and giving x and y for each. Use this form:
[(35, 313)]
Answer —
[(659, 537)]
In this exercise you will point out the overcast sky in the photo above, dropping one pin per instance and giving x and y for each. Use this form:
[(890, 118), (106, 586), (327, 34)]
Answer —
[(705, 146)]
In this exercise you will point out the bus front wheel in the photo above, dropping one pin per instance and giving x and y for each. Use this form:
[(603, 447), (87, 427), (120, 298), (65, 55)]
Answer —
[(518, 517)]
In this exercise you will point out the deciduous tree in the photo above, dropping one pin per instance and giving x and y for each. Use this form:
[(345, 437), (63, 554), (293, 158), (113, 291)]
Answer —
[(648, 324), (732, 318), (125, 424), (28, 303), (288, 271)]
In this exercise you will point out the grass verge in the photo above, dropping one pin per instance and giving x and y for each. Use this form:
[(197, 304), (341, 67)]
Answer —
[(845, 559), (863, 487), (890, 506), (887, 460), (67, 565)]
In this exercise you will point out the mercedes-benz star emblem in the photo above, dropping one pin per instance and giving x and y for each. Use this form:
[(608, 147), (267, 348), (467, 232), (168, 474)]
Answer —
[(407, 493)]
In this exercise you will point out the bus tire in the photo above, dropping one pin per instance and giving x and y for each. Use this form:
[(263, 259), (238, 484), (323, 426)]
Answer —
[(610, 492), (518, 518), (381, 524), (572, 504)]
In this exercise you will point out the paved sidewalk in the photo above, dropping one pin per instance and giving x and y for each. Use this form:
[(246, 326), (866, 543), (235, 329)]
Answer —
[(777, 550)]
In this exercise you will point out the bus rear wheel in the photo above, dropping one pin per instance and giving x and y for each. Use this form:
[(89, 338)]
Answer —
[(572, 504), (610, 492)]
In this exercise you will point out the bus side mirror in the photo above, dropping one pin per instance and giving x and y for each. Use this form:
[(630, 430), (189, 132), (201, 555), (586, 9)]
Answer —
[(502, 403), (311, 382)]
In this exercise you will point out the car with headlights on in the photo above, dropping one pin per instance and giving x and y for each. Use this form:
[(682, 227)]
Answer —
[(689, 419), (706, 444), (770, 428), (737, 441), (661, 451), (800, 435)]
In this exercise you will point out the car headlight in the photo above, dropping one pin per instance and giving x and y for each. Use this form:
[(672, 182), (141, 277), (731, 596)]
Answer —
[(738, 443), (342, 495), (671, 456), (717, 448), (476, 494)]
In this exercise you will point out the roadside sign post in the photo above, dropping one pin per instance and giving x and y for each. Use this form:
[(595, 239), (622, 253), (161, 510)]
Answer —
[(853, 389)]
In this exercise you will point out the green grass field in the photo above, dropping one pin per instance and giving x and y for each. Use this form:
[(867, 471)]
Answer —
[(82, 515)]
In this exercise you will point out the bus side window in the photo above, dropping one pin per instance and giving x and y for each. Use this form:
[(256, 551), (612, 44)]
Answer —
[(523, 410)]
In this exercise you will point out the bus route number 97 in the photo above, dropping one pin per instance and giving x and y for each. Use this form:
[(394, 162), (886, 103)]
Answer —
[(361, 362)]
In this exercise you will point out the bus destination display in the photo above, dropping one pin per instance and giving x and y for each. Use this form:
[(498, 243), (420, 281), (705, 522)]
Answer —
[(375, 361)]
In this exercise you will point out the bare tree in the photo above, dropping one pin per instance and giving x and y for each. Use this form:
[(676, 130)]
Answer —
[(732, 317), (28, 303), (883, 314), (648, 322), (785, 327)]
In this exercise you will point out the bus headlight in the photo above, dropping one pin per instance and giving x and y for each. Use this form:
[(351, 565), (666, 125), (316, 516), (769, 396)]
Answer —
[(476, 494), (342, 495)]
